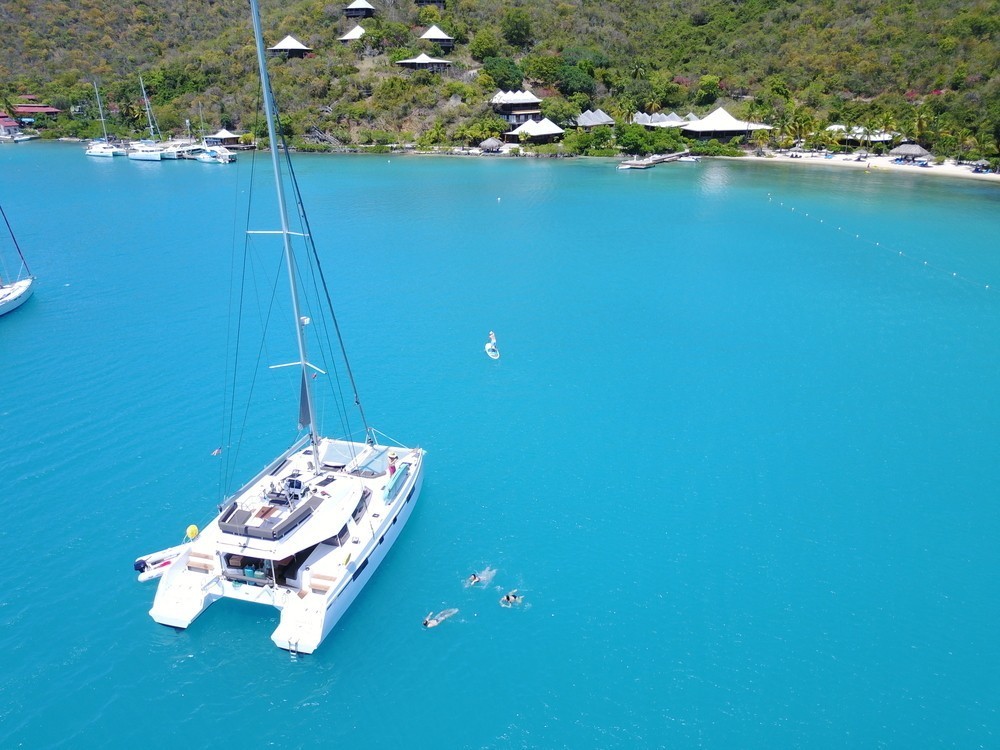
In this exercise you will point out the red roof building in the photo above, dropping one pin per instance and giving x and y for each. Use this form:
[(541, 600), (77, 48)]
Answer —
[(22, 110)]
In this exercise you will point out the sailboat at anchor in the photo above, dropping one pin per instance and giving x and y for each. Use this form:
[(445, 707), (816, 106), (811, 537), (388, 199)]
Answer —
[(15, 289), (308, 531)]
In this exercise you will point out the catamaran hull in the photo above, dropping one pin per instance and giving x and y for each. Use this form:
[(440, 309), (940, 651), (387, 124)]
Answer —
[(312, 605), (297, 634)]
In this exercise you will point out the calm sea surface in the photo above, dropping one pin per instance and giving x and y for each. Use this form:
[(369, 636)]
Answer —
[(740, 456)]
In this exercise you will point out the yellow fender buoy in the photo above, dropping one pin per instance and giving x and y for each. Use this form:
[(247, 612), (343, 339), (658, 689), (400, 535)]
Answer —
[(192, 531)]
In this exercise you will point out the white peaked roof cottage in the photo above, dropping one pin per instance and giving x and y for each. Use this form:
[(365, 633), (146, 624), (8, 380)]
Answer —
[(359, 9), (539, 131), (657, 120), (857, 134), (438, 37), (425, 62), (590, 119), (356, 33), (517, 106), (222, 138), (721, 124), (289, 47), (515, 97)]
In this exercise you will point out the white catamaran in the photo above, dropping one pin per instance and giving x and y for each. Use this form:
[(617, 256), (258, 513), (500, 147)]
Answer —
[(306, 533)]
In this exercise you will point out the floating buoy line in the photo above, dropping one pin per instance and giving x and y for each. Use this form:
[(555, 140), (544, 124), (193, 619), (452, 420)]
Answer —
[(885, 248)]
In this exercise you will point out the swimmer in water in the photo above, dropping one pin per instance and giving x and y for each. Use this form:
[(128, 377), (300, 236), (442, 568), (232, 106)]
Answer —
[(473, 579), (510, 599), (432, 620)]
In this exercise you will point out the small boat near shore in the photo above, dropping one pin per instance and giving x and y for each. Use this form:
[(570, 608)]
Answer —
[(215, 155)]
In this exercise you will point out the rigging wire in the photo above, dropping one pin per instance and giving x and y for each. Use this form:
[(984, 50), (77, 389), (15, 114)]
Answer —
[(14, 240), (318, 271), (232, 428)]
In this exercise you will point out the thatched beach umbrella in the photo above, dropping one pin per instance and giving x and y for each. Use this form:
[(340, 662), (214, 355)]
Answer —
[(911, 150), (491, 144)]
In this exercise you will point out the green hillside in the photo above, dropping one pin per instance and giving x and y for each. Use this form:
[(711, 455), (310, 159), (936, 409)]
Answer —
[(927, 69)]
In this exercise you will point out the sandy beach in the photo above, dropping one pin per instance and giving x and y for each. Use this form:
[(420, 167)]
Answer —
[(876, 163)]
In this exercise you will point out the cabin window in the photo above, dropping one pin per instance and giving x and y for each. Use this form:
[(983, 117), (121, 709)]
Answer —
[(359, 512), (340, 538), (362, 566)]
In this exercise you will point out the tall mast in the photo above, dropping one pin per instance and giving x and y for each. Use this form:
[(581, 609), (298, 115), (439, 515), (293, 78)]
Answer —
[(306, 403), (149, 114), (14, 240), (101, 110)]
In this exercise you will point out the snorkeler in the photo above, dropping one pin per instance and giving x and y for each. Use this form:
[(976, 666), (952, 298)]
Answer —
[(510, 599), (432, 620)]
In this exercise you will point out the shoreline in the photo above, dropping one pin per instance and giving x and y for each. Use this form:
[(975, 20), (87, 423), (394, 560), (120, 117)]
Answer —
[(871, 164), (839, 161)]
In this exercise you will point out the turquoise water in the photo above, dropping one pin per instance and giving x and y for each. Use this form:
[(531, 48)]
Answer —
[(739, 456)]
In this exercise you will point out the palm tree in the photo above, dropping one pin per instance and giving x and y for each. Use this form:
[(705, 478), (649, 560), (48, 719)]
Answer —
[(760, 138), (920, 124), (886, 123)]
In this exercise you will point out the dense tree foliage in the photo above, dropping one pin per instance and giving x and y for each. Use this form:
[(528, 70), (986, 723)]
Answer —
[(928, 70)]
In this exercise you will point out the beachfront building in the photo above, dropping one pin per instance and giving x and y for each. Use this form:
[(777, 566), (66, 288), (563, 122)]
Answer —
[(25, 112), (356, 33), (859, 136), (543, 131), (289, 47), (425, 62), (721, 125), (438, 37), (517, 107), (658, 120), (424, 3), (8, 126), (359, 9), (222, 138), (588, 120)]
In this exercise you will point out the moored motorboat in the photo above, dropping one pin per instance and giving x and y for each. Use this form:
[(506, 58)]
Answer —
[(145, 151), (216, 155), (104, 149)]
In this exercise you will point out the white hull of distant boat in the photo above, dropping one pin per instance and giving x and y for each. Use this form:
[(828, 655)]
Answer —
[(145, 152), (15, 294), (104, 150), (216, 155), (182, 149), (300, 540)]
